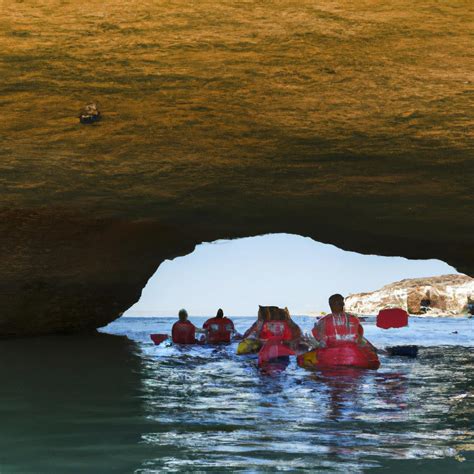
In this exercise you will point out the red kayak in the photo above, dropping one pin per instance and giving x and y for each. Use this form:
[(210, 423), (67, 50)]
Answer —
[(343, 355), (272, 351), (158, 338)]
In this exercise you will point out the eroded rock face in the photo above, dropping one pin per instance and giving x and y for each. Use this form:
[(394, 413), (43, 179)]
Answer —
[(443, 295), (346, 123)]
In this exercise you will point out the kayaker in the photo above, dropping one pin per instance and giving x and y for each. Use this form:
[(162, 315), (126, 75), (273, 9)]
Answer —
[(339, 342), (183, 331), (338, 326), (218, 329), (278, 324)]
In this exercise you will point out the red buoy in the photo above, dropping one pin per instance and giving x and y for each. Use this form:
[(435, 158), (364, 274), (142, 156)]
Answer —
[(392, 318)]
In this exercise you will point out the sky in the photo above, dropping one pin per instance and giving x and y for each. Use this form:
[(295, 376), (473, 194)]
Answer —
[(276, 269)]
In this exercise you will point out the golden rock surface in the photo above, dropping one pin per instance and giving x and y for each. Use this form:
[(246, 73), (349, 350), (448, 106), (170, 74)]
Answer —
[(350, 122)]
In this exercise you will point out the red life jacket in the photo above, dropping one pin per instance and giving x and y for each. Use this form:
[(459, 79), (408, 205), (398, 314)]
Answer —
[(276, 330), (218, 330), (334, 330), (183, 333)]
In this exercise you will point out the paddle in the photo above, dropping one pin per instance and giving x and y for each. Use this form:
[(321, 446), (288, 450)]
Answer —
[(158, 338)]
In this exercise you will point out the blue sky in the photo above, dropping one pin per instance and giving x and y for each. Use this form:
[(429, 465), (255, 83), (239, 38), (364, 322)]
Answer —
[(277, 269)]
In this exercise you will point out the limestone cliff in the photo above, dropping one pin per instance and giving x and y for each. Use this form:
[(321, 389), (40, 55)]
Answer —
[(348, 122), (441, 295)]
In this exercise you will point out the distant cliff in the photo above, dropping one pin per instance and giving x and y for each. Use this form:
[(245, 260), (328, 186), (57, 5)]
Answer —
[(446, 294)]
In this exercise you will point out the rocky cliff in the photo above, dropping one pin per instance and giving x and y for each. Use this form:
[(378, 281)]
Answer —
[(346, 122), (441, 295)]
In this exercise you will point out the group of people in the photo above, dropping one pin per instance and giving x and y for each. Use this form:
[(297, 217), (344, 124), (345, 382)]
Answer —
[(333, 329), (217, 330)]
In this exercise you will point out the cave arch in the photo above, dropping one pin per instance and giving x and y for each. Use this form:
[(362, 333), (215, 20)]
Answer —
[(285, 270), (65, 271)]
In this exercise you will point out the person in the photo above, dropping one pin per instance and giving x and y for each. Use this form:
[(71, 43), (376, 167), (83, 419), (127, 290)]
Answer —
[(278, 324), (339, 342), (183, 331), (338, 326), (274, 322), (218, 329)]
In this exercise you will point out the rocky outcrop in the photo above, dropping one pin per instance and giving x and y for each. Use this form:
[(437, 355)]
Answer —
[(441, 295), (348, 124)]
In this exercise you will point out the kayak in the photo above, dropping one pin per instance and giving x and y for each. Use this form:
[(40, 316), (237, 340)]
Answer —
[(344, 355), (273, 351), (248, 346), (158, 338)]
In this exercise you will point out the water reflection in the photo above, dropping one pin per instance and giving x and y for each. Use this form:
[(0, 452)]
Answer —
[(231, 414), (70, 403), (392, 389), (344, 389)]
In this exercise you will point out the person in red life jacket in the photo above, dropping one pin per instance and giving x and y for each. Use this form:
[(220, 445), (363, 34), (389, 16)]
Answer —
[(278, 325), (338, 327), (218, 329), (276, 328), (183, 331)]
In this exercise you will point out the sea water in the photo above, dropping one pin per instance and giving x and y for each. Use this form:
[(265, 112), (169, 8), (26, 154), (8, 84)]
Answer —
[(115, 402)]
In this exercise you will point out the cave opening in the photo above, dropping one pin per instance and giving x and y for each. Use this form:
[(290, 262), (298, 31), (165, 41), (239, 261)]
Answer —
[(285, 270)]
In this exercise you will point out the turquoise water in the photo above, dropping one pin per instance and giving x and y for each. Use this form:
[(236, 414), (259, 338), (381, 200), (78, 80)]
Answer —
[(110, 403)]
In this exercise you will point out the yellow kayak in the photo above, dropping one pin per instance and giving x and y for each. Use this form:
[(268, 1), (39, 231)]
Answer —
[(308, 360), (248, 346)]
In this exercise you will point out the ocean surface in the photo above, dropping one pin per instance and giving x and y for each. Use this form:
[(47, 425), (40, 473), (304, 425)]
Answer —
[(114, 402)]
